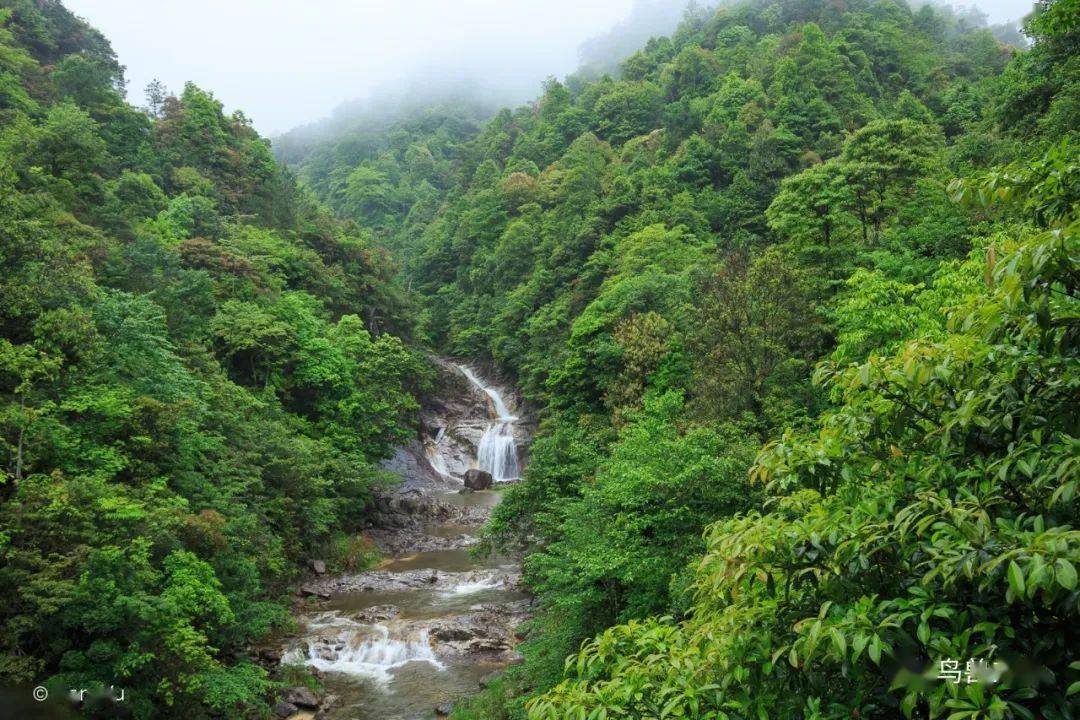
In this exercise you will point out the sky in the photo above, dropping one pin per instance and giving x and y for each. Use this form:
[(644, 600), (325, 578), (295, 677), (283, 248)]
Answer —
[(290, 62)]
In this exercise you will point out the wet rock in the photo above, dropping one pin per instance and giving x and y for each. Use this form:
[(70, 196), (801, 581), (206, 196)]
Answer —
[(328, 703), (301, 697), (407, 542), (383, 580), (410, 509), (452, 630), (270, 656), (284, 709), (380, 580), (324, 651), (488, 645), (314, 590), (483, 633), (376, 614), (319, 567), (477, 479), (444, 709)]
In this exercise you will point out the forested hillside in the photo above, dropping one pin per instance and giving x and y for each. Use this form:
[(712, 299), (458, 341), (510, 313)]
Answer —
[(796, 294), (793, 293), (198, 376)]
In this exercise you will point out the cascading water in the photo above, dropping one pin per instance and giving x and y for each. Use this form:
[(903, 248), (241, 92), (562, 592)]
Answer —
[(365, 650), (435, 458), (497, 452)]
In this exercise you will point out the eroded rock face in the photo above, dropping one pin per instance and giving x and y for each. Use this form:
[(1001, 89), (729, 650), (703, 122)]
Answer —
[(483, 633), (400, 523), (392, 542), (314, 590)]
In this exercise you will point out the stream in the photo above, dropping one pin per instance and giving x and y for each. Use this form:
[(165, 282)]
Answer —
[(430, 623)]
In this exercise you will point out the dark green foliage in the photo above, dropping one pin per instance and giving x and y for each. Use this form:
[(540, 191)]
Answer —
[(196, 384)]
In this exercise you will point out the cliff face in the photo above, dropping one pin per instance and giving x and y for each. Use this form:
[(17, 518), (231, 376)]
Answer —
[(453, 419)]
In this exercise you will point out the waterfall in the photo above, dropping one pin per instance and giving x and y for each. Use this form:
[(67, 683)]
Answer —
[(501, 412), (436, 459), (372, 653), (497, 453)]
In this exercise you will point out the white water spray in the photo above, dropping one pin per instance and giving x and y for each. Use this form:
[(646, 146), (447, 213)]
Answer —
[(436, 459), (497, 453), (373, 652), (473, 585)]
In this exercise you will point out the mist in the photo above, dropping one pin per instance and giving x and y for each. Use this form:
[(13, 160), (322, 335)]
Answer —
[(313, 64), (290, 62)]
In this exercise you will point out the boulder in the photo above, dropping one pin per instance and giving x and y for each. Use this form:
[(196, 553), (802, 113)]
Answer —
[(301, 697), (376, 614), (314, 591), (271, 656), (327, 653), (452, 630), (328, 703), (284, 709), (478, 479), (444, 710), (319, 567)]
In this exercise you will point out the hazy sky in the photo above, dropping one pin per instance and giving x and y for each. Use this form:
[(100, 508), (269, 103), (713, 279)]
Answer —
[(290, 62)]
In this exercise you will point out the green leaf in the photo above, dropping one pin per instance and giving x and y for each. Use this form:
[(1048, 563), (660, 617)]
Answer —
[(1065, 574), (1016, 579), (875, 650)]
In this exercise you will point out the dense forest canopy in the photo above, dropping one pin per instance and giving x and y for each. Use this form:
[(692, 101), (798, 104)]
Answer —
[(750, 233), (199, 373), (793, 289)]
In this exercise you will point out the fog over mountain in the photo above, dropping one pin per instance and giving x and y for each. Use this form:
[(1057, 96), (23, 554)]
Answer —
[(244, 51)]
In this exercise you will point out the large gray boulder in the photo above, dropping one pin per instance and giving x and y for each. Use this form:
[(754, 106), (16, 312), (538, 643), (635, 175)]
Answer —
[(284, 709), (301, 697), (478, 479)]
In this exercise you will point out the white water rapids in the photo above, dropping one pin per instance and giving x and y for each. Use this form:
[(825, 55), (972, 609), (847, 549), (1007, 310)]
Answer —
[(497, 452), (370, 651)]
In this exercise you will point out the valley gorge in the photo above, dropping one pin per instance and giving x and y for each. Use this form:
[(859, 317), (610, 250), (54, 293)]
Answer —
[(430, 624), (734, 375)]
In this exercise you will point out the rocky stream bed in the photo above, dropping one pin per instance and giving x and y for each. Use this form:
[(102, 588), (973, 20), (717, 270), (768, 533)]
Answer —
[(431, 624)]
